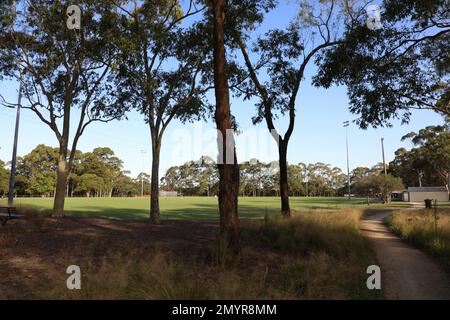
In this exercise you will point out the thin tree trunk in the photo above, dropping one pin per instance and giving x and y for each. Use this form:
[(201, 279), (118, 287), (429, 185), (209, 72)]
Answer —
[(229, 173), (62, 173), (154, 193), (284, 186)]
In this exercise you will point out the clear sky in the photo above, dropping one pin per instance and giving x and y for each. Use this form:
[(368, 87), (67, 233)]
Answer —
[(318, 135)]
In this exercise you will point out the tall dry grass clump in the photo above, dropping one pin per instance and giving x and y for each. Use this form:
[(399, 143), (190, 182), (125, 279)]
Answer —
[(160, 276), (428, 229), (326, 255), (333, 232)]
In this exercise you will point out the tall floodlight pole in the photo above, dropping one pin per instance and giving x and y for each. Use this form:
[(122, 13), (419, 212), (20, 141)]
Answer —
[(143, 152), (346, 125), (12, 174), (382, 151), (306, 180)]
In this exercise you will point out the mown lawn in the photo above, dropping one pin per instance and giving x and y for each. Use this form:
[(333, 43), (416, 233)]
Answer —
[(189, 208)]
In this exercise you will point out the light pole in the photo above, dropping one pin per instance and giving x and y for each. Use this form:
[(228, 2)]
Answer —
[(382, 151), (143, 152), (346, 125), (306, 180), (12, 174)]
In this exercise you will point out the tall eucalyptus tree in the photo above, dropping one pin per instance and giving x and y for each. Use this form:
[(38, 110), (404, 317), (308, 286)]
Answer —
[(277, 68), (160, 70), (65, 69)]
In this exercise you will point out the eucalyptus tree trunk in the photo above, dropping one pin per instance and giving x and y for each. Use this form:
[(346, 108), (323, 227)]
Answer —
[(229, 173), (284, 185), (62, 173), (154, 193)]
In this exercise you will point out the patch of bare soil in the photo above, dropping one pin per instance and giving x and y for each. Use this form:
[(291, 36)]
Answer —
[(406, 272), (37, 251), (30, 250)]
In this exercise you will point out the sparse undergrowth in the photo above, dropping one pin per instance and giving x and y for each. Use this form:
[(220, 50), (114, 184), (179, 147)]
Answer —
[(318, 255), (427, 229)]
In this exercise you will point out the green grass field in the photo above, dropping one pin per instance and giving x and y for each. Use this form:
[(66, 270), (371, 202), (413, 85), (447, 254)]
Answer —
[(190, 208)]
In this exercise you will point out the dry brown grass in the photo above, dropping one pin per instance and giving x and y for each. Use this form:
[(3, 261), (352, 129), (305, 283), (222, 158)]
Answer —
[(318, 255), (428, 229)]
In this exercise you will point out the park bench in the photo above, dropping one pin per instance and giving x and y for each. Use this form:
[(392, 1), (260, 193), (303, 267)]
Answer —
[(8, 213)]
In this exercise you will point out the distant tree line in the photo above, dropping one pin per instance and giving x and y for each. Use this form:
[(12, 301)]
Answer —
[(428, 162), (94, 174), (100, 173), (200, 178), (257, 178)]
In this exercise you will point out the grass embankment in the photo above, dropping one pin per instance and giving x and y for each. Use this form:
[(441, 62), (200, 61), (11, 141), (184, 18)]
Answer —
[(319, 255), (427, 229)]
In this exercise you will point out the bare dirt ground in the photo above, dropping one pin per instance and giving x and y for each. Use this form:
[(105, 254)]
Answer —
[(406, 272), (29, 253)]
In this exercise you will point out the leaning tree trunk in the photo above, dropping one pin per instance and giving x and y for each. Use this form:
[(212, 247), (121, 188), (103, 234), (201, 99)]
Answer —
[(154, 193), (62, 173), (228, 172), (284, 185)]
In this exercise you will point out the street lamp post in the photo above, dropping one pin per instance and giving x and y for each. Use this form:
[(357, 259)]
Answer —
[(12, 174), (346, 125)]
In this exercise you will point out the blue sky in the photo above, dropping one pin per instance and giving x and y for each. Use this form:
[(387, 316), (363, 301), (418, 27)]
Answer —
[(318, 135)]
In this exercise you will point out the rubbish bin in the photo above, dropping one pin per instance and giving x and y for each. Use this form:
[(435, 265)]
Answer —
[(428, 203)]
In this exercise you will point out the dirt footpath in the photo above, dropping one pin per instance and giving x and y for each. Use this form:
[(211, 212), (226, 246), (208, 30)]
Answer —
[(406, 272)]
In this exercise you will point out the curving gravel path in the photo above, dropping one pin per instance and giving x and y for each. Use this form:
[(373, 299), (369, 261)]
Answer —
[(406, 272)]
